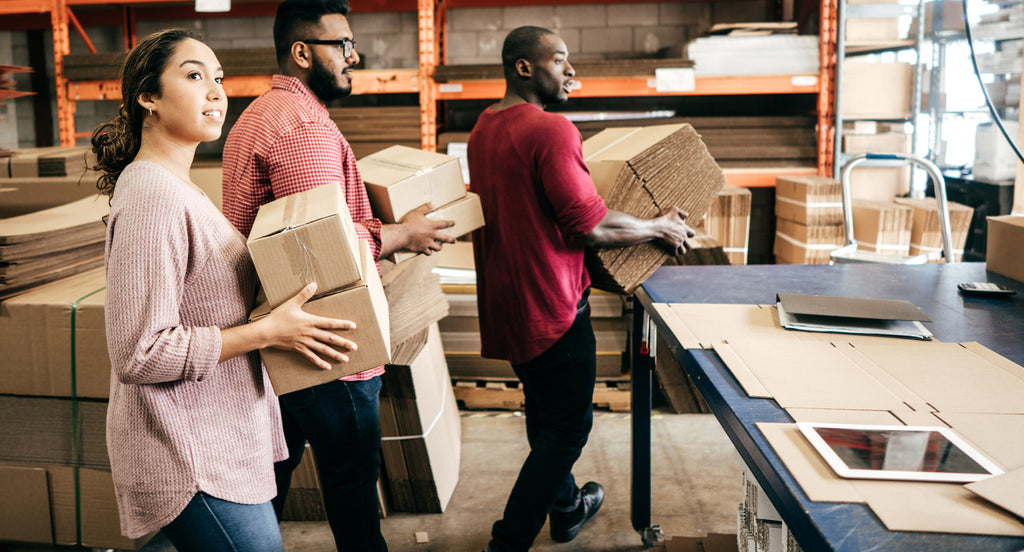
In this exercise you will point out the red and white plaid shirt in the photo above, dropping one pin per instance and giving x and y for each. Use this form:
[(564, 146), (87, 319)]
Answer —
[(284, 143)]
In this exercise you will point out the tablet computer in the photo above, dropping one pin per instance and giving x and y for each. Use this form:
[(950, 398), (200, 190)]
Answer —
[(912, 453)]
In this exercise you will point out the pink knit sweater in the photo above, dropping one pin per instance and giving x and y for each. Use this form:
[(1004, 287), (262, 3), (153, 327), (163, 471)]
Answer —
[(179, 422)]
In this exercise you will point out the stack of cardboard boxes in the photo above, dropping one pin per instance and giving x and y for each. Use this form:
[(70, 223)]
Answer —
[(728, 223), (642, 171), (882, 227), (926, 236), (809, 223)]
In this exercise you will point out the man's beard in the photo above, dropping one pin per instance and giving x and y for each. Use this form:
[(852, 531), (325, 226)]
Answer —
[(321, 82)]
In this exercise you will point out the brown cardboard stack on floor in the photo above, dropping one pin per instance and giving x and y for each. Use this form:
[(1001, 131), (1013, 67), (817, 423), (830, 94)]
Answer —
[(642, 171), (309, 237), (401, 179), (926, 238), (882, 226), (728, 223), (40, 178), (51, 399), (809, 219), (54, 243), (420, 427)]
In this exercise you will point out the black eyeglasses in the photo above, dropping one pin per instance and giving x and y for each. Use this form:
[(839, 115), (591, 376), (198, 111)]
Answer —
[(347, 44)]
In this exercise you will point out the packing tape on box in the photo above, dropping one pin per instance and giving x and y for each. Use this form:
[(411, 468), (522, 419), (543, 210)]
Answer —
[(430, 428), (74, 417), (808, 246), (300, 256), (426, 187), (813, 204)]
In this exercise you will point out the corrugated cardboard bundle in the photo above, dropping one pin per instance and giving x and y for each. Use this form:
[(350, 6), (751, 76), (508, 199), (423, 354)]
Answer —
[(882, 226), (728, 222), (47, 162), (420, 427), (51, 244), (797, 243), (810, 200), (302, 238), (642, 171), (364, 303), (926, 236), (414, 294)]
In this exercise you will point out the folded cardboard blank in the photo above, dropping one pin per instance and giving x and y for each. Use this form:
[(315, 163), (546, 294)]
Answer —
[(642, 171)]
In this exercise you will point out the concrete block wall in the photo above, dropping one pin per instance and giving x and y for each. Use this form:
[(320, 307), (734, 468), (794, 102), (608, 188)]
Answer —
[(389, 40)]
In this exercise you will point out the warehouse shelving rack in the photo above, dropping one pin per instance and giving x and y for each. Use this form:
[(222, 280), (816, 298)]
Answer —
[(432, 32)]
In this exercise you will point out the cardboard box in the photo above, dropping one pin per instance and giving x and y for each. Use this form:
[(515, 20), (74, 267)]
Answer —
[(305, 499), (20, 196), (875, 30), (36, 336), (876, 90), (882, 227), (39, 504), (420, 418), (797, 243), (363, 303), (926, 237), (809, 200), (400, 179), (414, 295), (467, 214), (641, 171), (302, 238), (728, 223), (41, 429), (1005, 235), (207, 175)]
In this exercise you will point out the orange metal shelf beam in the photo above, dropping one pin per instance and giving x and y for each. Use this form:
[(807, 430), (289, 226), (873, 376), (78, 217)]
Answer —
[(644, 86), (762, 178), (386, 81)]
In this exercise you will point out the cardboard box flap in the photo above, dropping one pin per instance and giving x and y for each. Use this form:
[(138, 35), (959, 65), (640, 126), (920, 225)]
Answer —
[(851, 307), (26, 505), (1005, 491)]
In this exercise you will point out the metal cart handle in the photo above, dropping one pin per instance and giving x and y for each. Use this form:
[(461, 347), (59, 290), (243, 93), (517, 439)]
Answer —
[(928, 166)]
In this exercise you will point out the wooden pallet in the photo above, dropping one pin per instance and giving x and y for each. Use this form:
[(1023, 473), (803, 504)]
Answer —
[(490, 394)]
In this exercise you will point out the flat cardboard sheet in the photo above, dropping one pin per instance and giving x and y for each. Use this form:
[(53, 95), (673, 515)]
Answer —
[(851, 307), (1006, 491), (900, 505)]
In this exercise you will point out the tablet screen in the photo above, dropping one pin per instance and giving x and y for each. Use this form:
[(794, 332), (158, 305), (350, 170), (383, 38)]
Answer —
[(898, 452)]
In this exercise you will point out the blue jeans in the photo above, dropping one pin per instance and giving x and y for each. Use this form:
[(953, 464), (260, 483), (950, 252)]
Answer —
[(341, 421), (215, 525), (559, 389)]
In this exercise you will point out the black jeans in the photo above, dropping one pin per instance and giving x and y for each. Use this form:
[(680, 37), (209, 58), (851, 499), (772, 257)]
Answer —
[(559, 390), (341, 421)]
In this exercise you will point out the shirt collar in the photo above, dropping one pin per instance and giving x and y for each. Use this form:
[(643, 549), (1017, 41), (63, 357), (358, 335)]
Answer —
[(295, 86)]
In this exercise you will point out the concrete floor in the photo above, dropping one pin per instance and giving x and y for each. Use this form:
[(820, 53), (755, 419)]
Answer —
[(696, 488)]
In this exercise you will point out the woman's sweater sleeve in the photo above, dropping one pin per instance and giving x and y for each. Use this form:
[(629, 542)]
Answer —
[(151, 256)]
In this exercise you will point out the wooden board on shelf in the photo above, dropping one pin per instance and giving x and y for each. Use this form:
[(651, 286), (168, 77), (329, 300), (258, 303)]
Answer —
[(613, 395), (597, 68)]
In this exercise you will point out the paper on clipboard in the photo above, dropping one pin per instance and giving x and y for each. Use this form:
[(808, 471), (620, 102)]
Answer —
[(851, 315)]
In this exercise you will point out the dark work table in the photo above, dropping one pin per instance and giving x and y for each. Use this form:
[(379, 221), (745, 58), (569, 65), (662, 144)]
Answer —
[(996, 323)]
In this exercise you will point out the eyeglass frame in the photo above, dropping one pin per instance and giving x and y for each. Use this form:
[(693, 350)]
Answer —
[(349, 45)]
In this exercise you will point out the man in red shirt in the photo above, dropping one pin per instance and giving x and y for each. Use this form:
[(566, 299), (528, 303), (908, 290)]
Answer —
[(284, 143), (542, 209)]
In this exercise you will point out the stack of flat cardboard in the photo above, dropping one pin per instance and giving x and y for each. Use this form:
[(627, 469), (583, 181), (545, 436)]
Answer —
[(420, 427), (809, 223), (728, 222), (704, 250), (51, 401), (372, 129), (642, 171), (926, 238), (882, 226), (47, 245), (41, 178), (415, 298), (400, 179), (309, 237)]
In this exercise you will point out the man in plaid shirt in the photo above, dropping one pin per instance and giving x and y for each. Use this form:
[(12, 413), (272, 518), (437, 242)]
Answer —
[(284, 143)]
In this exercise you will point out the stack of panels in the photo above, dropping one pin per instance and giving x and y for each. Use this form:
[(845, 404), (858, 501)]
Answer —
[(728, 223), (643, 171), (107, 65), (881, 227), (51, 244), (415, 297), (420, 427), (33, 179), (926, 238), (584, 69), (809, 219), (371, 129)]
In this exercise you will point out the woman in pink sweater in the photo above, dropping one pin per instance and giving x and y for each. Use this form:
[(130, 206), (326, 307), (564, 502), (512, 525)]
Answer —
[(193, 426)]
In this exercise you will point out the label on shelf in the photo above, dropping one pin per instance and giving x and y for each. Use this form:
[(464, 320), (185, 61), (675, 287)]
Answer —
[(213, 6), (449, 88), (674, 79), (804, 80)]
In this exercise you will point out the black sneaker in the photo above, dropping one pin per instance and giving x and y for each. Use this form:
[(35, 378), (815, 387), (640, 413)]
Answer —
[(566, 525)]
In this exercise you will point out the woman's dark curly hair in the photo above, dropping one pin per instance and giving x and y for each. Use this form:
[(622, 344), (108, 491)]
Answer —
[(116, 142)]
